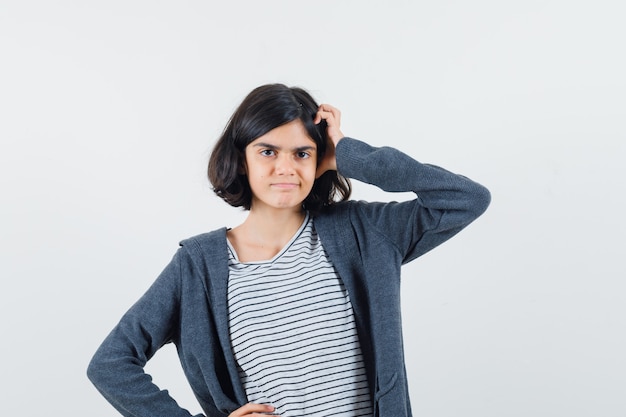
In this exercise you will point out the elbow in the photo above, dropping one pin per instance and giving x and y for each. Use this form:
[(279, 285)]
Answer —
[(100, 369), (94, 370), (481, 199)]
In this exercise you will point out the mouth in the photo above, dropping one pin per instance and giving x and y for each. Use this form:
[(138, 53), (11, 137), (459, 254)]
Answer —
[(285, 185)]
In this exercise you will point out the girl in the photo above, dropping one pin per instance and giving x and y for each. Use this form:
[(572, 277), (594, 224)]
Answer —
[(295, 312)]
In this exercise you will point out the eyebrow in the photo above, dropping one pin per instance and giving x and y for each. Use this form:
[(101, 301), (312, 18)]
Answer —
[(274, 147)]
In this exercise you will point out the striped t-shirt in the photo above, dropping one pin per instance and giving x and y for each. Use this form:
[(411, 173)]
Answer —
[(293, 333)]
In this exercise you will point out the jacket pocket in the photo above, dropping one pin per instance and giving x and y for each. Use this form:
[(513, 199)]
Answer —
[(381, 402)]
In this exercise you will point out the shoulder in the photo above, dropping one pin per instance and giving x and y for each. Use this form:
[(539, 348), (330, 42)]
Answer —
[(205, 237), (352, 213), (201, 256), (350, 208), (205, 243)]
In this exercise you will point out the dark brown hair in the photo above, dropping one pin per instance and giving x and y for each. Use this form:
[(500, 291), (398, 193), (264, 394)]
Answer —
[(265, 108)]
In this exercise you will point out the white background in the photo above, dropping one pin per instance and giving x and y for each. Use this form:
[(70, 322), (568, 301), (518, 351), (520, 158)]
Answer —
[(109, 109)]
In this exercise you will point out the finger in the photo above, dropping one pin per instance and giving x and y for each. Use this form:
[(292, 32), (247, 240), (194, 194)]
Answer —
[(328, 107), (334, 111), (321, 115), (253, 410), (329, 113), (330, 118)]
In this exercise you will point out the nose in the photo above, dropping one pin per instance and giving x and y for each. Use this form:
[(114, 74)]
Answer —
[(284, 165)]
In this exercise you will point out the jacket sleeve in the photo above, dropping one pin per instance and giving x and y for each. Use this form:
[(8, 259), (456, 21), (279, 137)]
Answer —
[(117, 368), (445, 202)]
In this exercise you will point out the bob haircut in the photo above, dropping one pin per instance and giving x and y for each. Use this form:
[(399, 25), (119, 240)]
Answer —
[(265, 108)]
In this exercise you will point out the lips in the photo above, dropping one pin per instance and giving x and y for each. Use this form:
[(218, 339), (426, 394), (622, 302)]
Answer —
[(285, 185)]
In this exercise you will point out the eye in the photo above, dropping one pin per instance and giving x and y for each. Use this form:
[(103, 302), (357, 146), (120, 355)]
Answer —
[(303, 154), (267, 152)]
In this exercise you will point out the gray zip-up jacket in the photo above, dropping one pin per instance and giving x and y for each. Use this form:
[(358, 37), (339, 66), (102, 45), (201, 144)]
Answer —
[(367, 243)]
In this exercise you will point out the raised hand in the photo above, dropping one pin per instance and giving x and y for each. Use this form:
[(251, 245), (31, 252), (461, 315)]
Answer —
[(332, 116)]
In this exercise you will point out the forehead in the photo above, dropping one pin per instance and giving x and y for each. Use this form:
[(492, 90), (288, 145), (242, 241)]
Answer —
[(292, 134)]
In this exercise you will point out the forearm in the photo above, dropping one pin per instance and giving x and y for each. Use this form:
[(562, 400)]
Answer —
[(394, 171), (118, 374), (444, 205), (117, 367)]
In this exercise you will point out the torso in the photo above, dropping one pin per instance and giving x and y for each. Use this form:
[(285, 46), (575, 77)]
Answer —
[(293, 332)]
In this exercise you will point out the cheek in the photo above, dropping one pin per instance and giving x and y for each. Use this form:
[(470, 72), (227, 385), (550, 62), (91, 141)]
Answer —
[(313, 172), (313, 162)]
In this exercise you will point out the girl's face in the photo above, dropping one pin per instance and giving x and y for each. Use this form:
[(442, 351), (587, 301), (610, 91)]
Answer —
[(281, 167)]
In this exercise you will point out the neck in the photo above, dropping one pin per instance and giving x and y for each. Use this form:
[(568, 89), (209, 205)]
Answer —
[(263, 234), (273, 225)]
